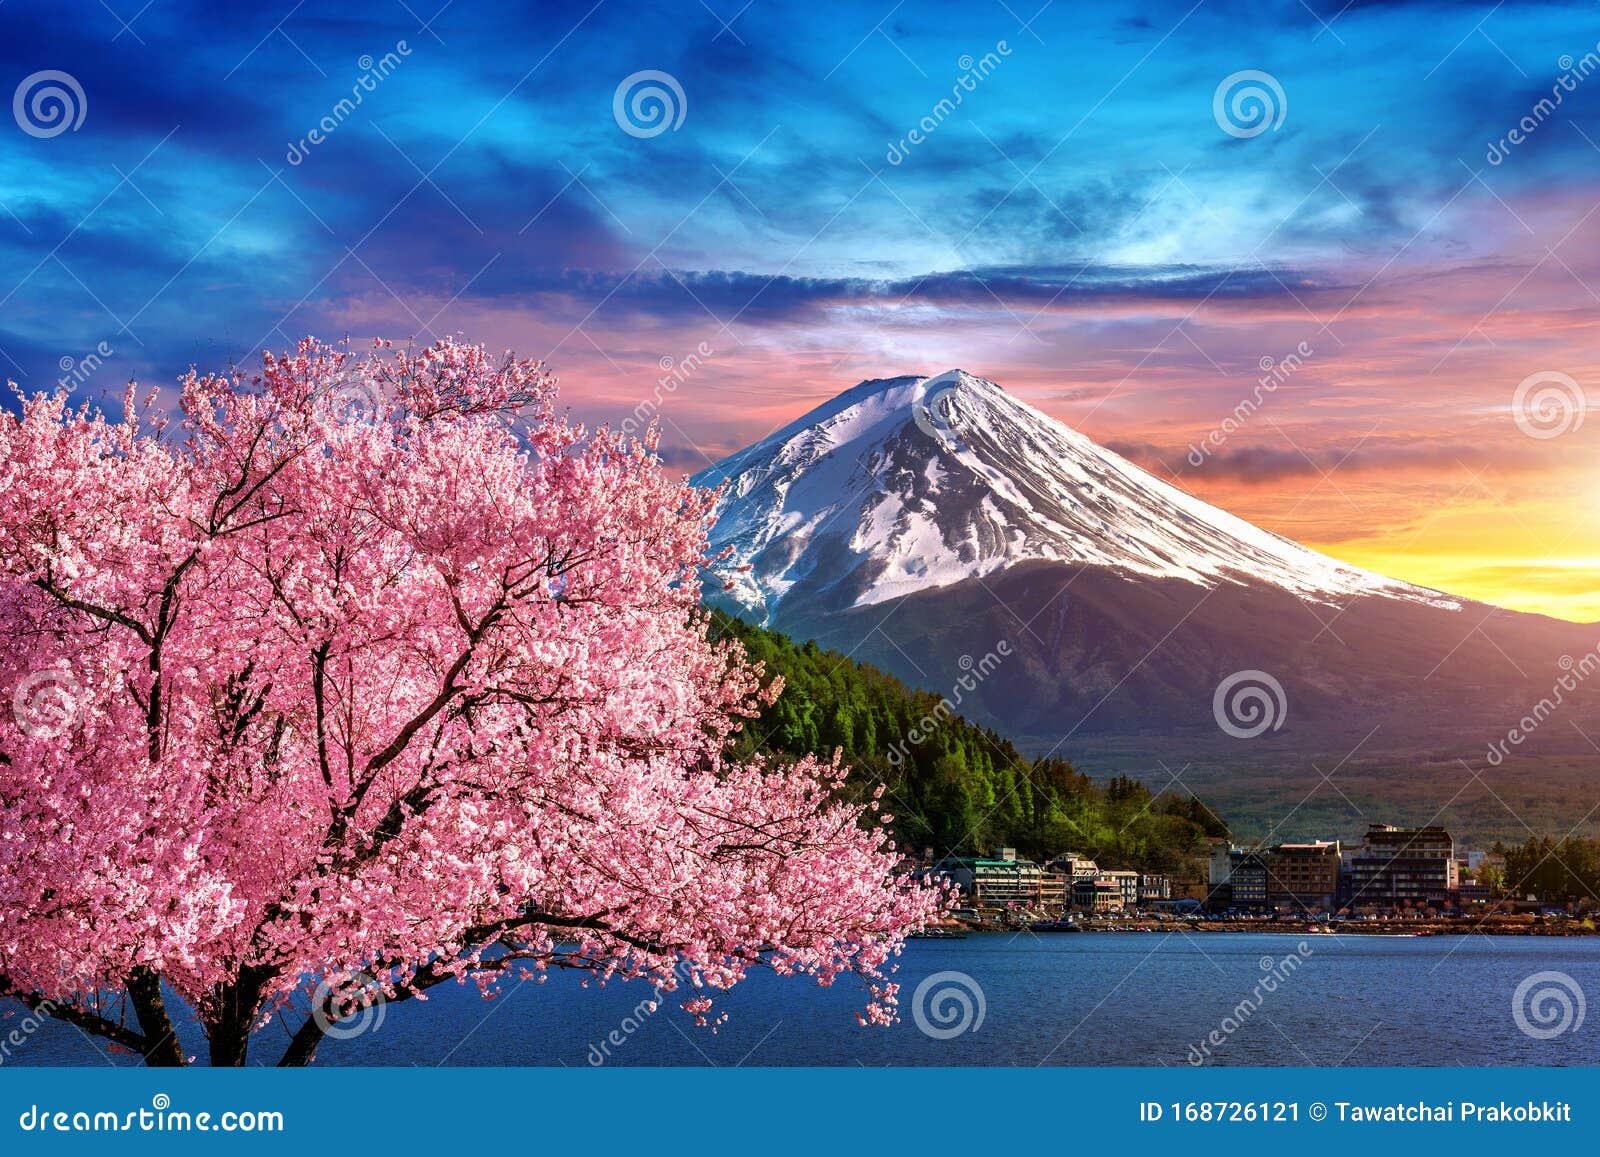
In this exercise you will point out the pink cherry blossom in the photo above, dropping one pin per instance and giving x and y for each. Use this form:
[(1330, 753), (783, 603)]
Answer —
[(374, 672)]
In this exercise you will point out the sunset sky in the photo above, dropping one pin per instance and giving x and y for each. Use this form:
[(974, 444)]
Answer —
[(1082, 228)]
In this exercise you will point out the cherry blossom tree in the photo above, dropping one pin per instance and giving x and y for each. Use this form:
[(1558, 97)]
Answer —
[(373, 672)]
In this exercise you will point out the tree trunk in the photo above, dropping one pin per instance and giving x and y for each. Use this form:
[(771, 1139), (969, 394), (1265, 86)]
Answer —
[(229, 1028), (302, 1048), (230, 1041), (161, 1047)]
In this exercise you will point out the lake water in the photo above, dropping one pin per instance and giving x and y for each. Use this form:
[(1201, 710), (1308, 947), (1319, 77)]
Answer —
[(1084, 999)]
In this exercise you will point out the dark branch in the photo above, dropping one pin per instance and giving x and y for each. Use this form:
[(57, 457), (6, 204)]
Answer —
[(112, 1031)]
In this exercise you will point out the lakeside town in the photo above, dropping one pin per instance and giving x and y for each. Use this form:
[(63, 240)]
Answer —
[(1408, 880)]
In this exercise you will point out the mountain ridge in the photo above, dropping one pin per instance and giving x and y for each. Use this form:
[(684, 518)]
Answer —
[(915, 532), (900, 484)]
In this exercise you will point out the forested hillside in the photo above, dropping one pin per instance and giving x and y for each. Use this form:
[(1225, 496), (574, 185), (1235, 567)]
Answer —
[(958, 787)]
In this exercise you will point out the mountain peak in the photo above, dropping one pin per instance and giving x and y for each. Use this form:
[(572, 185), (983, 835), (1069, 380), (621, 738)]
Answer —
[(901, 484), (878, 385), (959, 378), (904, 391)]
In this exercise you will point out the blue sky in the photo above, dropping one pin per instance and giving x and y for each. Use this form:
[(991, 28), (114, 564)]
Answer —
[(1081, 228)]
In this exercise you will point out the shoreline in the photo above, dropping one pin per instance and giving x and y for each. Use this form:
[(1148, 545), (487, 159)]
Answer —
[(1436, 926)]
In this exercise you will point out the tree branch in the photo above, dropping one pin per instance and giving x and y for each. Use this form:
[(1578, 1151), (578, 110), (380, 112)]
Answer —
[(302, 1047), (161, 1046), (104, 614), (119, 1034)]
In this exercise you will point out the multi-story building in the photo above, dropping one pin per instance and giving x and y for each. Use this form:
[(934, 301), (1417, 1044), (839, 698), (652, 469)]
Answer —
[(1235, 878), (1128, 882), (1402, 867), (1097, 894), (1000, 881), (1075, 865), (1303, 877), (1055, 888), (1219, 871), (1153, 888), (1220, 867), (1247, 881)]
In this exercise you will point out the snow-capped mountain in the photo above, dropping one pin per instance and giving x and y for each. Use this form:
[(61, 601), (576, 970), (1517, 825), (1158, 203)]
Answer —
[(918, 523), (900, 485)]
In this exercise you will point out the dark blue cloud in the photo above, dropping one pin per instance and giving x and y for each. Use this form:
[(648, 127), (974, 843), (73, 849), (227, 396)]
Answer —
[(757, 298), (486, 165)]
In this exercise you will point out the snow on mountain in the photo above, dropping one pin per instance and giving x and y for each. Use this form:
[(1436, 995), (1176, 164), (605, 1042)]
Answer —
[(903, 484)]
